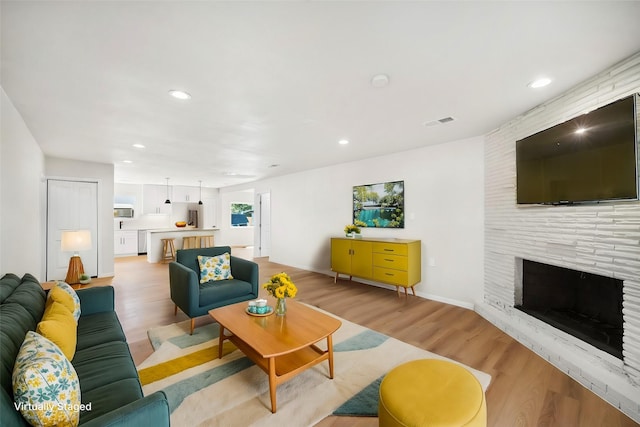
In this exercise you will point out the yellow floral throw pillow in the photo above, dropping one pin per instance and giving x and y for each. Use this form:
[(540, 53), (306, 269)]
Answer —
[(46, 388), (215, 267)]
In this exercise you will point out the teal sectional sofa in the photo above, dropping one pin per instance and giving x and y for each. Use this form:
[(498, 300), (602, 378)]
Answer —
[(106, 371)]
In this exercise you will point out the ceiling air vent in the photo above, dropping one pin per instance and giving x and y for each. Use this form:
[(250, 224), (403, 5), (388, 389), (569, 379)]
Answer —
[(439, 121)]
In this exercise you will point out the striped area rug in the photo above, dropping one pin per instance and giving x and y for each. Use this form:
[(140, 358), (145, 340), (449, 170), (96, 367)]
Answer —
[(206, 391)]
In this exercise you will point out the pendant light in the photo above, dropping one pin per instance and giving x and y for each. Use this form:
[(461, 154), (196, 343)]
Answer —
[(167, 202), (200, 201)]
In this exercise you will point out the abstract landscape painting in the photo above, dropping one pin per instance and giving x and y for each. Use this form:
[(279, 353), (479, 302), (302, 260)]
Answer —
[(379, 205)]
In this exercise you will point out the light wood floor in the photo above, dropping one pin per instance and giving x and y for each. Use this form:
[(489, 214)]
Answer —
[(525, 389)]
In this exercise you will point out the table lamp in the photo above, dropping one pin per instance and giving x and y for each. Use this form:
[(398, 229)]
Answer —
[(75, 241)]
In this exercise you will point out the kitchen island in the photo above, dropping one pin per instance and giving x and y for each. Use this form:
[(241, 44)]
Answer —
[(154, 242)]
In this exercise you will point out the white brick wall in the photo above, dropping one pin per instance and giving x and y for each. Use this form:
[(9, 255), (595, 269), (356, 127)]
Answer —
[(596, 238)]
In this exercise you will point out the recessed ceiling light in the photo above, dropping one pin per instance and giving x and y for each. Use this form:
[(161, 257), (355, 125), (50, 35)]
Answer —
[(380, 80), (178, 94), (542, 82), (127, 161), (580, 131), (138, 146), (343, 142)]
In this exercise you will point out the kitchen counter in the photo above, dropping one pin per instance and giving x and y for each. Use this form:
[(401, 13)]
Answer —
[(181, 229), (154, 244)]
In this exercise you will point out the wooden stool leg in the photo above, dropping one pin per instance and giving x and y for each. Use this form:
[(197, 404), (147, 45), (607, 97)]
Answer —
[(206, 241), (165, 247), (168, 250)]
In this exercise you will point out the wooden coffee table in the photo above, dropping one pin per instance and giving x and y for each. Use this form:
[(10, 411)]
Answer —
[(282, 346)]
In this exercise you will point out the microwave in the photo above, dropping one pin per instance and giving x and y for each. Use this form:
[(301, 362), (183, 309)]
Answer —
[(123, 211)]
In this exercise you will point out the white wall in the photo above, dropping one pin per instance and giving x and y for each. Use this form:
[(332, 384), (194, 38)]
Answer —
[(22, 235), (596, 238), (444, 197), (103, 174)]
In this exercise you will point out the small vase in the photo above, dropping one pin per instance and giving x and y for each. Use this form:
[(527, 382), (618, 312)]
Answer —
[(281, 307), (349, 235)]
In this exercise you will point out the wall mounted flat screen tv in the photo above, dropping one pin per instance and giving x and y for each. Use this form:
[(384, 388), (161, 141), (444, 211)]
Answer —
[(379, 205), (591, 158)]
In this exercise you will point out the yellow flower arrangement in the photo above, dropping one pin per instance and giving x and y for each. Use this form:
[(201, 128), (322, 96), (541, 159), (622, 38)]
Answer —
[(351, 228), (281, 286)]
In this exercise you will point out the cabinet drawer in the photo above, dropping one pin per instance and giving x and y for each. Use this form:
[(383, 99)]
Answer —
[(387, 275), (395, 262), (390, 248)]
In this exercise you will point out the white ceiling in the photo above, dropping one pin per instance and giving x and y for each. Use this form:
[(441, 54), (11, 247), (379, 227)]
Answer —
[(282, 82)]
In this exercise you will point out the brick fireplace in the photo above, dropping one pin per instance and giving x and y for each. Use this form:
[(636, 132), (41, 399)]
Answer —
[(597, 239)]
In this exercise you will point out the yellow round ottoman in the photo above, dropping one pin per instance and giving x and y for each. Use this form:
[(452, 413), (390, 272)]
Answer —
[(431, 392)]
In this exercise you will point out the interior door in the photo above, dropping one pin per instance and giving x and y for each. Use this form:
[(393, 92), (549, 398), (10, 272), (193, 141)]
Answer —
[(71, 205), (265, 224)]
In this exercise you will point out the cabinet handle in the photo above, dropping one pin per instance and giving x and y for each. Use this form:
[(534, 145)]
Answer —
[(389, 274), (390, 260), (389, 250)]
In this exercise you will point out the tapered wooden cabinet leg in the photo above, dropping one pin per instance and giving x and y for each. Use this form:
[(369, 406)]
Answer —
[(193, 324)]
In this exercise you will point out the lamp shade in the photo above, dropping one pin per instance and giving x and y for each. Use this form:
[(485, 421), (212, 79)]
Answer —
[(76, 240)]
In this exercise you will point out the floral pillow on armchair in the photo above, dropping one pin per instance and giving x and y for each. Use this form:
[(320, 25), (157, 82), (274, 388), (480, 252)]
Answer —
[(214, 268)]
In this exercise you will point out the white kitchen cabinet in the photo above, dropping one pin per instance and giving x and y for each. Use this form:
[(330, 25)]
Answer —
[(125, 242), (185, 194), (153, 199)]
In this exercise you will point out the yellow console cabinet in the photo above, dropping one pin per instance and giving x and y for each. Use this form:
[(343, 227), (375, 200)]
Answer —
[(352, 257), (393, 261)]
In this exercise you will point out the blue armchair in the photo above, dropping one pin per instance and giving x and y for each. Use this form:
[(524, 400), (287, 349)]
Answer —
[(196, 299)]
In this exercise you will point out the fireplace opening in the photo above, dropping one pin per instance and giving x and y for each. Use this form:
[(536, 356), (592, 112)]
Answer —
[(585, 305)]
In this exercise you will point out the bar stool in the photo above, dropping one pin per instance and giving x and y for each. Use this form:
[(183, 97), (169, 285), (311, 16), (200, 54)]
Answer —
[(189, 242), (206, 241), (168, 250)]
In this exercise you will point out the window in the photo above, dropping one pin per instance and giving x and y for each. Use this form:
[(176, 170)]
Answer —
[(241, 215)]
